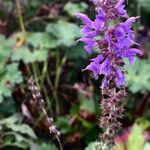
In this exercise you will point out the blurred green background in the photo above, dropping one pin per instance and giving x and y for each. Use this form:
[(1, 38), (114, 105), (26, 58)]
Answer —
[(38, 38)]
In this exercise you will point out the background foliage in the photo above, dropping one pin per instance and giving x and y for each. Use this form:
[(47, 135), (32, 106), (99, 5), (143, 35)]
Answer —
[(47, 50)]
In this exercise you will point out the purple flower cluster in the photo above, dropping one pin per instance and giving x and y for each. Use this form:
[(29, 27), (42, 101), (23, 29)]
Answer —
[(113, 42)]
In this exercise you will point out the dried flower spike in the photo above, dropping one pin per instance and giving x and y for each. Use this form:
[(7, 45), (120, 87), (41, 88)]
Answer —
[(40, 104)]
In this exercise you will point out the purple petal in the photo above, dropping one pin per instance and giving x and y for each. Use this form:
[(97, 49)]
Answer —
[(86, 31), (120, 3), (130, 54), (94, 67), (100, 20), (105, 83), (84, 18), (88, 49), (98, 59), (129, 21), (108, 40), (119, 32), (120, 78), (121, 11), (131, 59), (88, 41), (105, 67), (135, 51)]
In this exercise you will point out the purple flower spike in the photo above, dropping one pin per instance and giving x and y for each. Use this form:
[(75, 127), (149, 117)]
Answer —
[(114, 44)]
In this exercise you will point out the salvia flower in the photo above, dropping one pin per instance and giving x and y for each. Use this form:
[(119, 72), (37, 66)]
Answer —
[(114, 44)]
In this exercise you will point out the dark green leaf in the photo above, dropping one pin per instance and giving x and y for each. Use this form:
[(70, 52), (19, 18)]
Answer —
[(73, 8), (65, 32)]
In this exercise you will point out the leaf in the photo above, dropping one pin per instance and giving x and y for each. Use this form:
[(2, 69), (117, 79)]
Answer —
[(87, 104), (45, 146), (77, 51), (66, 33), (40, 55), (19, 138), (11, 76), (144, 123), (12, 119), (93, 146), (72, 8), (29, 142), (145, 5), (22, 53), (22, 128), (42, 40), (16, 144), (13, 123), (136, 139), (63, 124), (138, 76), (6, 46), (27, 56)]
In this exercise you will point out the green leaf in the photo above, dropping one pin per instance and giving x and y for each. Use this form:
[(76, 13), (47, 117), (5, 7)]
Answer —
[(6, 46), (66, 33), (12, 119), (136, 139), (145, 4), (63, 124), (40, 55), (28, 142), (13, 75), (13, 123), (93, 146), (41, 40), (22, 53), (87, 104), (77, 51), (144, 123), (22, 128), (138, 76), (16, 144), (48, 147), (27, 56), (10, 77), (19, 137), (73, 8)]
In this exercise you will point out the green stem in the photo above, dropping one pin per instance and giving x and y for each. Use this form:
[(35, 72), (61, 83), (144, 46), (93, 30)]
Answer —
[(35, 75), (20, 15), (57, 70), (57, 78)]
